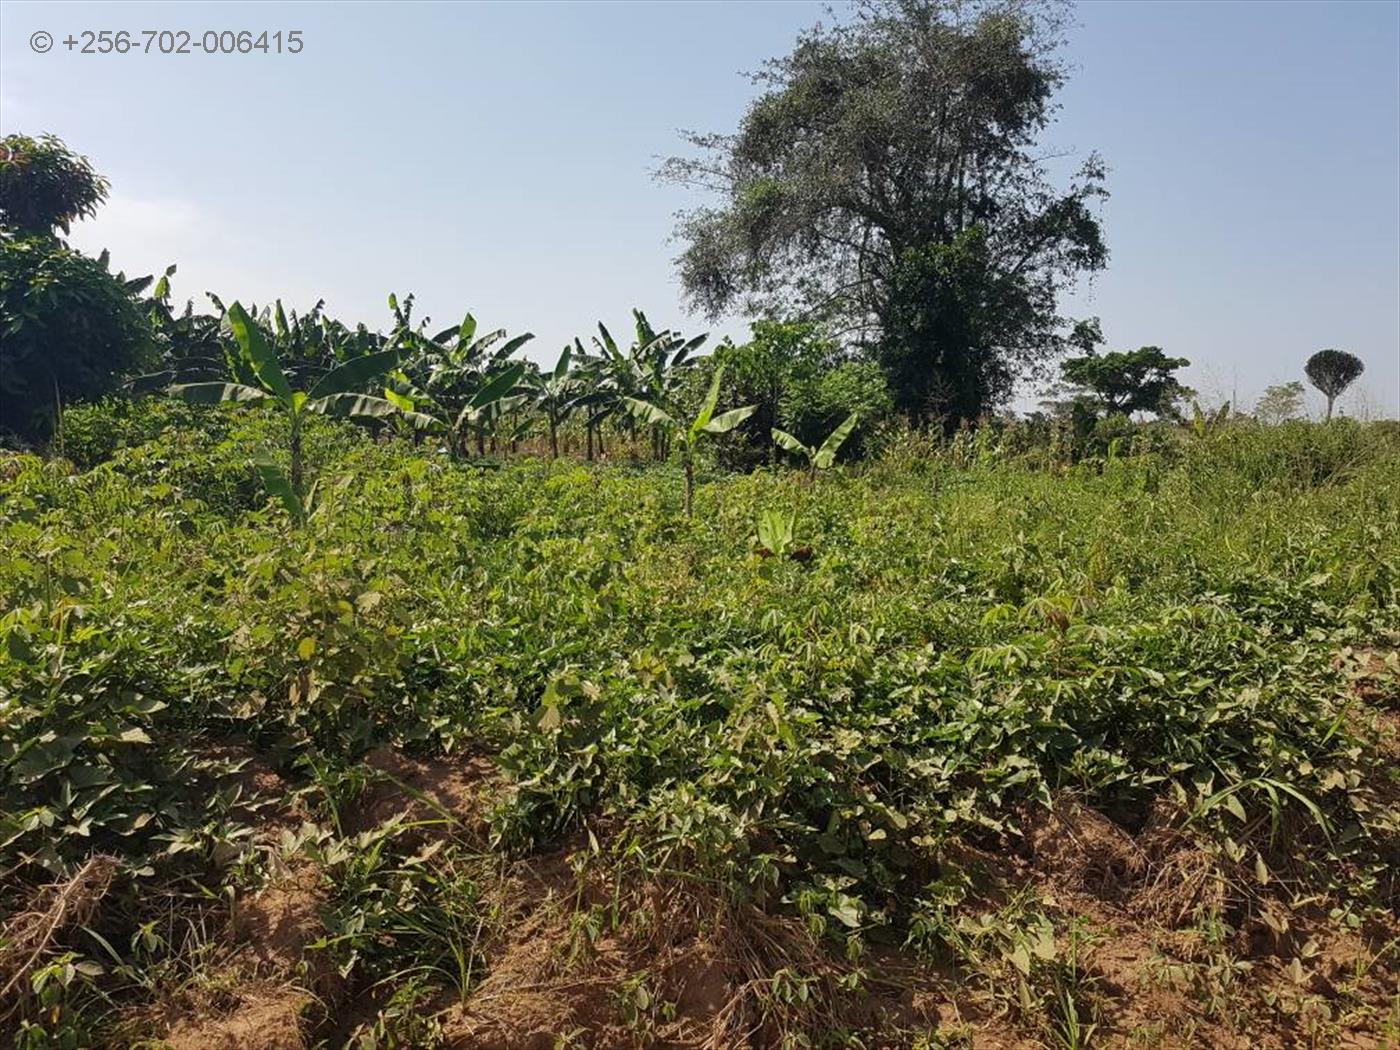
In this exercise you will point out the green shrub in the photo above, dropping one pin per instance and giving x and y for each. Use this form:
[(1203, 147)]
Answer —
[(72, 330)]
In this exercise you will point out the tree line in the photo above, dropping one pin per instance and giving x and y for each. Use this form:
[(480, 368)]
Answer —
[(882, 206)]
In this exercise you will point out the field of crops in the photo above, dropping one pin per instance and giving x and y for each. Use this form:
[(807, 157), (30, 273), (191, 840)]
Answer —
[(968, 751)]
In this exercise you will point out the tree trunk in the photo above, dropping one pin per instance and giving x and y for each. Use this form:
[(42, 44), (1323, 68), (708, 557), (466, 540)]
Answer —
[(588, 429), (553, 439), (689, 487), (1330, 399)]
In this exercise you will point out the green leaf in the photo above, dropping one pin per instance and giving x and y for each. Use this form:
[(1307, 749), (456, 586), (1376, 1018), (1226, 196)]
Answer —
[(213, 393), (707, 410), (354, 374), (497, 387), (275, 480), (826, 455), (647, 413), (355, 406), (727, 421), (787, 441), (258, 354)]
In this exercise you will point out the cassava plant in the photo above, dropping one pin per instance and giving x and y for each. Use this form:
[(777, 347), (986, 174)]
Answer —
[(706, 422)]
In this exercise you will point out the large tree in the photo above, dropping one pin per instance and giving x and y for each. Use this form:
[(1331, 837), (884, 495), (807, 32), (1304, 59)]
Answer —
[(888, 180), (1128, 381)]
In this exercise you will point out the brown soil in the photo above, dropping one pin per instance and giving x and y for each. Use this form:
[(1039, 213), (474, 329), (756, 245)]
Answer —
[(444, 796), (275, 984), (584, 955), (266, 1017)]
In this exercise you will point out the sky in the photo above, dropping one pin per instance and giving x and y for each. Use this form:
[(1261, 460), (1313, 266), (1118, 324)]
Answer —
[(497, 158)]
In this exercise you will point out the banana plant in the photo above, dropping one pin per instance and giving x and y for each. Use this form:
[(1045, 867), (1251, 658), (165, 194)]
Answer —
[(335, 393), (553, 393), (823, 457), (705, 423), (775, 531)]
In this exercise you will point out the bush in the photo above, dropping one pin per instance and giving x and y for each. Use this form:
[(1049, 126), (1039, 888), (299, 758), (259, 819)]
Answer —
[(72, 331), (93, 433)]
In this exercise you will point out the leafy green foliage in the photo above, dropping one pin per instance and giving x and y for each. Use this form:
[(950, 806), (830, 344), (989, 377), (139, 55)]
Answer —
[(1280, 402), (1124, 382), (824, 457), (706, 422), (334, 393), (45, 186), (71, 330), (974, 635)]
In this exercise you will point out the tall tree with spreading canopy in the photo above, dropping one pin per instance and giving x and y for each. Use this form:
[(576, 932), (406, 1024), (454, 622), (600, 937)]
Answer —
[(888, 181), (1332, 371), (1128, 381)]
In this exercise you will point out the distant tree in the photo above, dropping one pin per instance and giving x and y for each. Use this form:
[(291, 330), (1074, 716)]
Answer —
[(1280, 402), (1332, 371), (45, 186), (886, 181), (1129, 381)]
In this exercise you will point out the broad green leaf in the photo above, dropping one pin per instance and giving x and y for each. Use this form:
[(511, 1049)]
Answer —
[(707, 410), (258, 354), (275, 480), (399, 401), (352, 376), (561, 369), (826, 455), (727, 421), (511, 346), (354, 406), (498, 386), (466, 331), (213, 393), (787, 441), (647, 413)]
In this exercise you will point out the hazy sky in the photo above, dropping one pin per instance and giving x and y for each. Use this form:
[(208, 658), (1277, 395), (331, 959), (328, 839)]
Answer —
[(497, 158)]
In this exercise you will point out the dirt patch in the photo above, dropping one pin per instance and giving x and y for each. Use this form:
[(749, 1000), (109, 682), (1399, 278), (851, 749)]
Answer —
[(443, 796), (279, 921), (29, 935), (271, 985), (267, 1016), (1374, 675), (1082, 850)]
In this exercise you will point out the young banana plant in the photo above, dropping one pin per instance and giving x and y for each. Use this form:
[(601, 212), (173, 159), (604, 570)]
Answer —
[(335, 393), (818, 458), (705, 423)]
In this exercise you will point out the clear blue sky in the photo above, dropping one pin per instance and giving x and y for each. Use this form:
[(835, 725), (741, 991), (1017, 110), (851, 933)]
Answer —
[(497, 158)]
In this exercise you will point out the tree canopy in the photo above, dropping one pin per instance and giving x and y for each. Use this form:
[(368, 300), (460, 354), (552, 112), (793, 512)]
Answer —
[(45, 186), (1129, 381), (888, 181), (1332, 371)]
